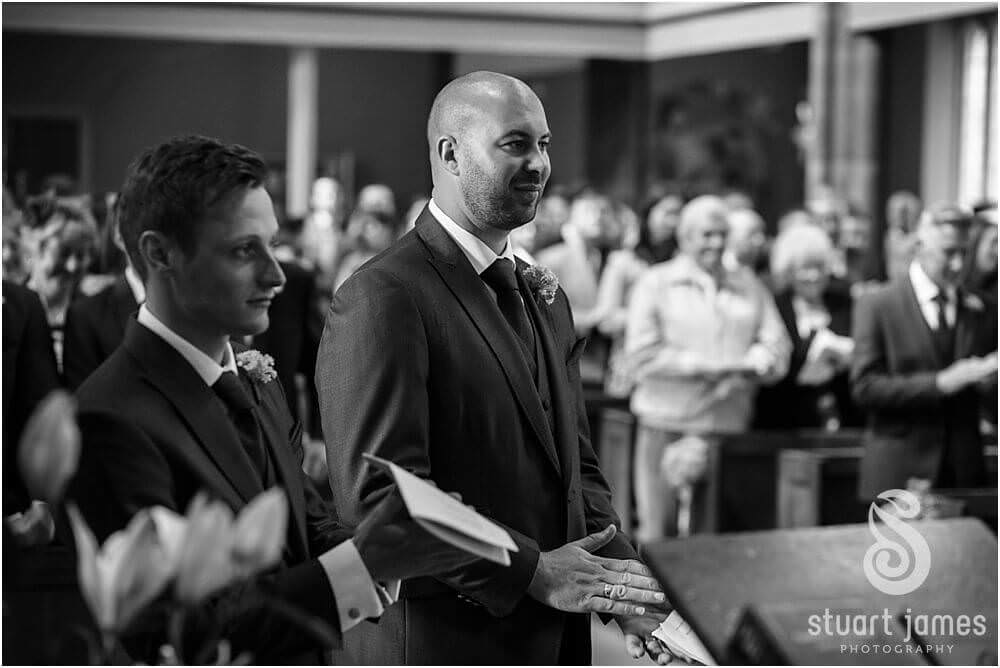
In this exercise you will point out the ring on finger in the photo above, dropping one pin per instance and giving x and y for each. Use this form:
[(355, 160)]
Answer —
[(608, 589)]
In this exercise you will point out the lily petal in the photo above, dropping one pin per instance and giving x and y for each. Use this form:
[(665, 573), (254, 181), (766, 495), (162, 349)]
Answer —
[(259, 532), (49, 450)]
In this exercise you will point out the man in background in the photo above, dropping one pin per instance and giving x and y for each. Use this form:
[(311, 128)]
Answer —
[(925, 353)]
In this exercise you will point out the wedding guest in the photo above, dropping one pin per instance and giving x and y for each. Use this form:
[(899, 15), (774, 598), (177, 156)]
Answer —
[(95, 325), (657, 243), (747, 242), (853, 243), (370, 233), (437, 356), (553, 212), (377, 199), (321, 232), (700, 338), (981, 267), (902, 211), (925, 355), (589, 236), (61, 240), (177, 410), (815, 392)]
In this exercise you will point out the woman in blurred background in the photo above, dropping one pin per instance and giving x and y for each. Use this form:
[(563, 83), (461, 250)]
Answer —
[(657, 243), (814, 393), (61, 239)]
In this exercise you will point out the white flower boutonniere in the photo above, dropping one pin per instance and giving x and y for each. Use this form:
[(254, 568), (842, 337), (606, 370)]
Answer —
[(259, 367), (972, 302), (543, 282)]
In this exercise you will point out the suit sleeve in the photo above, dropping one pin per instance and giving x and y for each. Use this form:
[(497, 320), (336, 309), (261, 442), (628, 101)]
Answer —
[(873, 386), (372, 376), (122, 471), (596, 492), (81, 350)]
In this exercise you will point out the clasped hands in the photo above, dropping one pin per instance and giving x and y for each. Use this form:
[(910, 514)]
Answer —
[(573, 579)]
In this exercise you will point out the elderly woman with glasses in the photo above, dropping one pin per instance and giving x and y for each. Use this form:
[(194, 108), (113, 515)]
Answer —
[(815, 392)]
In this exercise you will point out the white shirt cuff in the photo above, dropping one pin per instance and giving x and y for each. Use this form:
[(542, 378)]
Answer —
[(356, 594)]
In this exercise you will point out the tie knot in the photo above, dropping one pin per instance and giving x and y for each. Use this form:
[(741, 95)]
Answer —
[(501, 276), (230, 389)]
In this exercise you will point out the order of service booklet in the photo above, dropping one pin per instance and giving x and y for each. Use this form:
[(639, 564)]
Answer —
[(682, 641), (448, 518)]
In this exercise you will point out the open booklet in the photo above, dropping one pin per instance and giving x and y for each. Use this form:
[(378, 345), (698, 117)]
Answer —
[(675, 633), (448, 518)]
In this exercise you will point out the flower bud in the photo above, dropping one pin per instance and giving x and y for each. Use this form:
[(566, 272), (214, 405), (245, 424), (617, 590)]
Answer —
[(49, 451)]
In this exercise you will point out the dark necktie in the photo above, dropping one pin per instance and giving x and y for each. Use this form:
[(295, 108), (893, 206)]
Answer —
[(501, 277), (944, 334), (241, 411), (941, 300)]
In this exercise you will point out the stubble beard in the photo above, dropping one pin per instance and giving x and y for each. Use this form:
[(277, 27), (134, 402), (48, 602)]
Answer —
[(492, 205)]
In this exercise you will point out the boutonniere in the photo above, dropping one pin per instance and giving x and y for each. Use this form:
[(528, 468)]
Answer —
[(972, 302), (258, 366), (542, 281)]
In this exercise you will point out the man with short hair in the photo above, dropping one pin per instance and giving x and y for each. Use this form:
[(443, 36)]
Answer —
[(447, 356), (925, 352), (174, 412), (699, 339)]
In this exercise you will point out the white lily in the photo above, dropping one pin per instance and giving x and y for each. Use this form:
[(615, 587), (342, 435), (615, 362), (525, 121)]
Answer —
[(49, 451), (120, 578)]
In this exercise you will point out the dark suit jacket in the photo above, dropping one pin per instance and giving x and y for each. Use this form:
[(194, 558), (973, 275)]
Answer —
[(155, 434), (788, 405), (911, 424), (29, 373), (95, 326), (292, 337), (418, 365)]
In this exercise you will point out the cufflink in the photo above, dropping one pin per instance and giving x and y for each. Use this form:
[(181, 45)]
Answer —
[(353, 613)]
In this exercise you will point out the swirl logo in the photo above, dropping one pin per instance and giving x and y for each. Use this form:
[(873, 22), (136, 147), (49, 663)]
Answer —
[(892, 567)]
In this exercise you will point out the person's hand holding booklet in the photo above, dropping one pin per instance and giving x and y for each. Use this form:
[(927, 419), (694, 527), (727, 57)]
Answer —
[(447, 518)]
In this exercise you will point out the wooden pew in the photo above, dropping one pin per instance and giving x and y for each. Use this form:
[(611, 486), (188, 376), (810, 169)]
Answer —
[(739, 491), (818, 487), (740, 488), (615, 453)]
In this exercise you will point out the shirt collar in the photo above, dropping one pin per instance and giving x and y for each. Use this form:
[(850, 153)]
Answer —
[(480, 255), (208, 369), (923, 287), (135, 284)]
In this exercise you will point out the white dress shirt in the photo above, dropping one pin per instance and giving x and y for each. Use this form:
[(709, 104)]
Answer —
[(353, 588), (926, 291), (480, 255), (135, 284)]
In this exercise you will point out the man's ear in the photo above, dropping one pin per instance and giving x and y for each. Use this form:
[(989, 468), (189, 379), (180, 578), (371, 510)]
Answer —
[(447, 151), (157, 252)]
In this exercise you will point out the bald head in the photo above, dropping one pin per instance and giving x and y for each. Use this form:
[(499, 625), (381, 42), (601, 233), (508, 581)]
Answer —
[(463, 100), (489, 153)]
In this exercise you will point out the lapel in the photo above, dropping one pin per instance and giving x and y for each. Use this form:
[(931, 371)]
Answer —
[(559, 391), (923, 332), (225, 462), (268, 409), (458, 274)]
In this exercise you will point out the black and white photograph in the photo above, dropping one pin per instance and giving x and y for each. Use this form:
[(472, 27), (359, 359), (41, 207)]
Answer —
[(482, 333)]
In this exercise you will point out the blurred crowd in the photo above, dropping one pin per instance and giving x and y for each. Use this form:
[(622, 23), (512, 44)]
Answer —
[(709, 317)]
